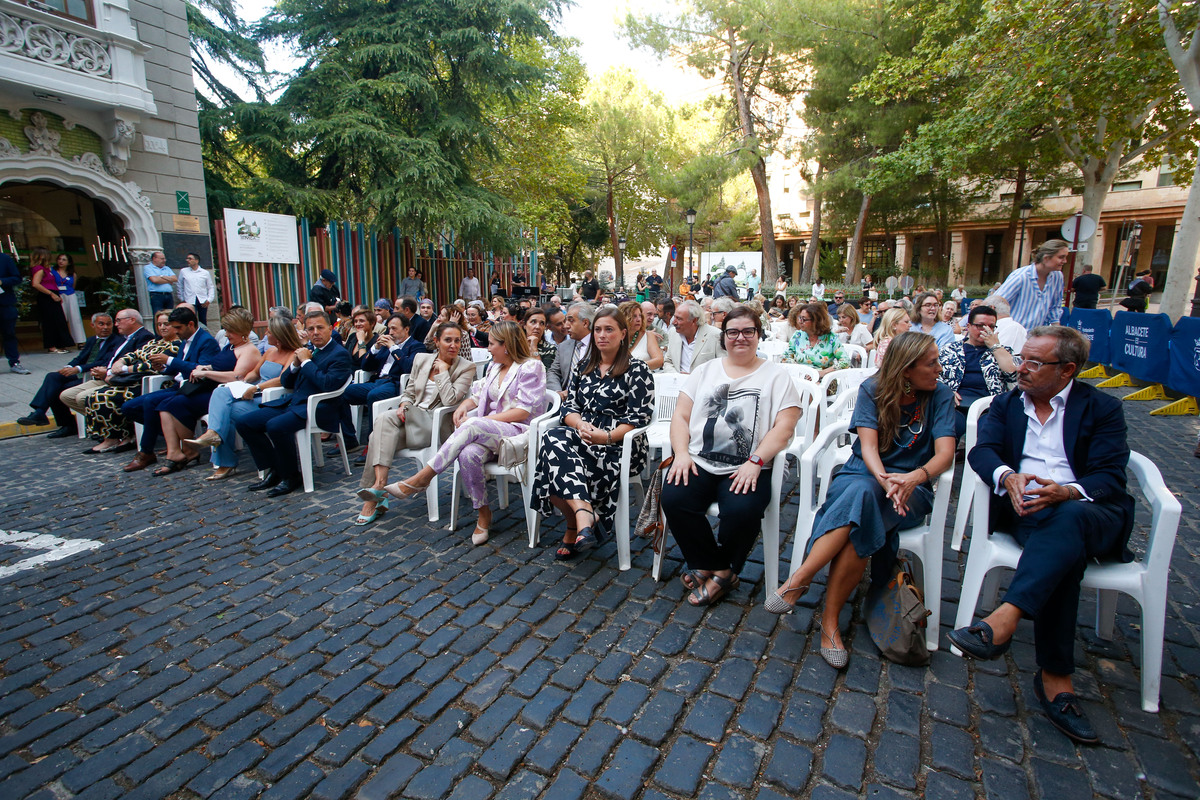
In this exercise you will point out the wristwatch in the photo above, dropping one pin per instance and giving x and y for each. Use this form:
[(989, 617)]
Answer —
[(756, 460)]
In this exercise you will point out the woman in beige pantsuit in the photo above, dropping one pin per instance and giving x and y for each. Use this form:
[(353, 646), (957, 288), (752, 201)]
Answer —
[(437, 379)]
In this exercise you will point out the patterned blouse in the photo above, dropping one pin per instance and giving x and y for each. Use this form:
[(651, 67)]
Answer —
[(825, 353)]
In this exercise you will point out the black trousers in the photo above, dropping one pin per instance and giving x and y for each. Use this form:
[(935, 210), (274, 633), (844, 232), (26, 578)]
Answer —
[(740, 517), (1057, 544), (270, 434), (47, 398), (8, 332)]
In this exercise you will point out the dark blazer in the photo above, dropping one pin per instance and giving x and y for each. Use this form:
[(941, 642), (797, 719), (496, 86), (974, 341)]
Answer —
[(403, 363), (10, 279), (1094, 438), (331, 367), (418, 326), (99, 358), (203, 350), (123, 348)]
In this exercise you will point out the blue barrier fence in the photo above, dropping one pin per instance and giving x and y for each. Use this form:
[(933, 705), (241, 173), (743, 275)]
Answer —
[(1146, 346)]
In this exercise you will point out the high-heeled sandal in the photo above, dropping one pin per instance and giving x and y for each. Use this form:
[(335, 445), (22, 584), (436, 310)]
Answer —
[(397, 489), (585, 539), (777, 604), (381, 508)]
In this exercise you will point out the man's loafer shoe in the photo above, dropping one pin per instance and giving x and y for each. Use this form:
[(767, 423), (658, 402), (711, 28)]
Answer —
[(1065, 713), (34, 419), (62, 433), (141, 461), (271, 480), (976, 641), (286, 486)]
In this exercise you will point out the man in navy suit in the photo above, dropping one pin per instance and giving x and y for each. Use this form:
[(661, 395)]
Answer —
[(96, 352), (391, 357), (197, 347), (270, 432), (1054, 452), (10, 279)]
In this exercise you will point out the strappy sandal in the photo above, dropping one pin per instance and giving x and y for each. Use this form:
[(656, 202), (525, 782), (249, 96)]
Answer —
[(585, 540), (397, 489), (702, 597), (381, 508), (694, 579), (171, 467), (777, 603)]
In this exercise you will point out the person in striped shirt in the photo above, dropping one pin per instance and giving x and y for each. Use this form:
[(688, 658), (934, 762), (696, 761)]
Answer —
[(1035, 293)]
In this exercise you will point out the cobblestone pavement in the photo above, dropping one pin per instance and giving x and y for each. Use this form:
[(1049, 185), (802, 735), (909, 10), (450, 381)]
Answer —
[(221, 645)]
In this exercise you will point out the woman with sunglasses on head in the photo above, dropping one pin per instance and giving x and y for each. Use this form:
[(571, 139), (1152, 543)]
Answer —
[(609, 394), (732, 418), (904, 419)]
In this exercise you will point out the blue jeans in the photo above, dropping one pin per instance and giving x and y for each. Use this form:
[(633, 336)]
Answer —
[(161, 301), (224, 412)]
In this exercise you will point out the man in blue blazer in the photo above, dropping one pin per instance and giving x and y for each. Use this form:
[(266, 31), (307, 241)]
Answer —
[(97, 352), (197, 347), (270, 432), (390, 358), (1055, 453)]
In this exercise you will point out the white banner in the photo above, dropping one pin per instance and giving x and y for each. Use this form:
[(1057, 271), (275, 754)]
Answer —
[(257, 236), (715, 263)]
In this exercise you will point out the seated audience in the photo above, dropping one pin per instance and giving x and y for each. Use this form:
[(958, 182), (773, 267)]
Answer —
[(978, 366), (438, 380), (95, 353), (225, 410), (895, 321), (778, 309), (643, 343), (501, 405), (1054, 454), (129, 326), (477, 325), (814, 343), (534, 323), (418, 325), (927, 319), (574, 350), (179, 417), (362, 336), (389, 359), (692, 343), (852, 331), (579, 464), (905, 423), (197, 346), (1011, 333), (733, 417), (122, 381), (270, 431)]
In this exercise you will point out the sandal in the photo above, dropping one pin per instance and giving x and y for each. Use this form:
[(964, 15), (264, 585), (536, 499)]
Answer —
[(702, 597), (170, 467), (397, 489), (381, 508), (694, 579), (479, 535), (585, 539), (777, 601)]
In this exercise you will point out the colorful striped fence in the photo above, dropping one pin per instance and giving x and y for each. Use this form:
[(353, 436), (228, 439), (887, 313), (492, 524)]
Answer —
[(368, 266)]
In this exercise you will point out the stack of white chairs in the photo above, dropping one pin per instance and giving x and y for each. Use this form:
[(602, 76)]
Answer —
[(1144, 580), (522, 473), (830, 450)]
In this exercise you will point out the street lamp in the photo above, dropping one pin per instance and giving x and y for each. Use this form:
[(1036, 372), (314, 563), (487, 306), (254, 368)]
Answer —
[(621, 266), (1026, 210), (691, 221)]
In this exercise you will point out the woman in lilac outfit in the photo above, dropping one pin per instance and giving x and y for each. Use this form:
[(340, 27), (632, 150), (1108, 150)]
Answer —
[(500, 406)]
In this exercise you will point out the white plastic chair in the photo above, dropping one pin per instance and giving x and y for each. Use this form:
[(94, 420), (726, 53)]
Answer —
[(772, 349), (924, 541), (848, 380), (522, 473), (481, 358), (1144, 580), (666, 393), (360, 376), (810, 414), (421, 455), (150, 383), (804, 372), (966, 490), (856, 354), (308, 440)]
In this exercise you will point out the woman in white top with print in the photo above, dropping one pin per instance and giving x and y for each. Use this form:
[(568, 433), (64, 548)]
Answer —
[(643, 344), (733, 416)]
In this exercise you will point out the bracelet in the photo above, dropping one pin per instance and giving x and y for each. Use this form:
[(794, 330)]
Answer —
[(610, 441), (928, 477)]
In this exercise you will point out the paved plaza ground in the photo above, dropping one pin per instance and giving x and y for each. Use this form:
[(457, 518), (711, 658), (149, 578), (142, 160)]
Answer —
[(217, 644)]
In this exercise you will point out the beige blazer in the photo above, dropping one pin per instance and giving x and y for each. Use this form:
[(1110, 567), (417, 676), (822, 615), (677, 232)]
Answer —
[(451, 389), (707, 347)]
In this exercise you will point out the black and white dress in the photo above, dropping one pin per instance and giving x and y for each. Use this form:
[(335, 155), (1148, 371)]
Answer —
[(570, 468)]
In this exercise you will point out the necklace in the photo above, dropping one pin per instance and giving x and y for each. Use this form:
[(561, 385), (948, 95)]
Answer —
[(914, 427)]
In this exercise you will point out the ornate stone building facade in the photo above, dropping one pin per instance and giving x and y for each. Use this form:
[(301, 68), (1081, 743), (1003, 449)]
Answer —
[(99, 137)]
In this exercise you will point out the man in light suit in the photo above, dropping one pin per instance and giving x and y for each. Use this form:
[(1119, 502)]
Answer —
[(574, 349), (197, 347), (1055, 454), (270, 432), (692, 342), (96, 352)]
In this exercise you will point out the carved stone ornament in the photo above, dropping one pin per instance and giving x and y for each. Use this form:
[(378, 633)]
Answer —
[(136, 191), (42, 140), (52, 46), (91, 161), (7, 150)]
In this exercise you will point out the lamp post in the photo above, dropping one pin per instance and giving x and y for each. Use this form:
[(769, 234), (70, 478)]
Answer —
[(1026, 210), (691, 221), (621, 265)]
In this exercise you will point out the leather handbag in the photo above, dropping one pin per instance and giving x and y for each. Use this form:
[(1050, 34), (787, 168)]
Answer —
[(897, 618), (514, 451), (651, 522)]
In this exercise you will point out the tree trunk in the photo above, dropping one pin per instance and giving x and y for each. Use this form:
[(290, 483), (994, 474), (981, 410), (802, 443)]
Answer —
[(613, 237), (758, 169), (812, 253), (1014, 216), (1181, 272), (855, 253)]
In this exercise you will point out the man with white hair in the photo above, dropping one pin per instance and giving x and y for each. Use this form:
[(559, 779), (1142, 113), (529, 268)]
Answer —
[(717, 311), (574, 349), (692, 342), (1011, 333)]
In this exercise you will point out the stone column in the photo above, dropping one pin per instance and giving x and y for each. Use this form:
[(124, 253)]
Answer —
[(139, 259), (903, 252), (958, 257)]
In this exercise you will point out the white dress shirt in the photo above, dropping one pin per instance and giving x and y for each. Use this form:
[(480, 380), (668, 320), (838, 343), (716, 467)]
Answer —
[(197, 285), (1045, 453), (686, 349)]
